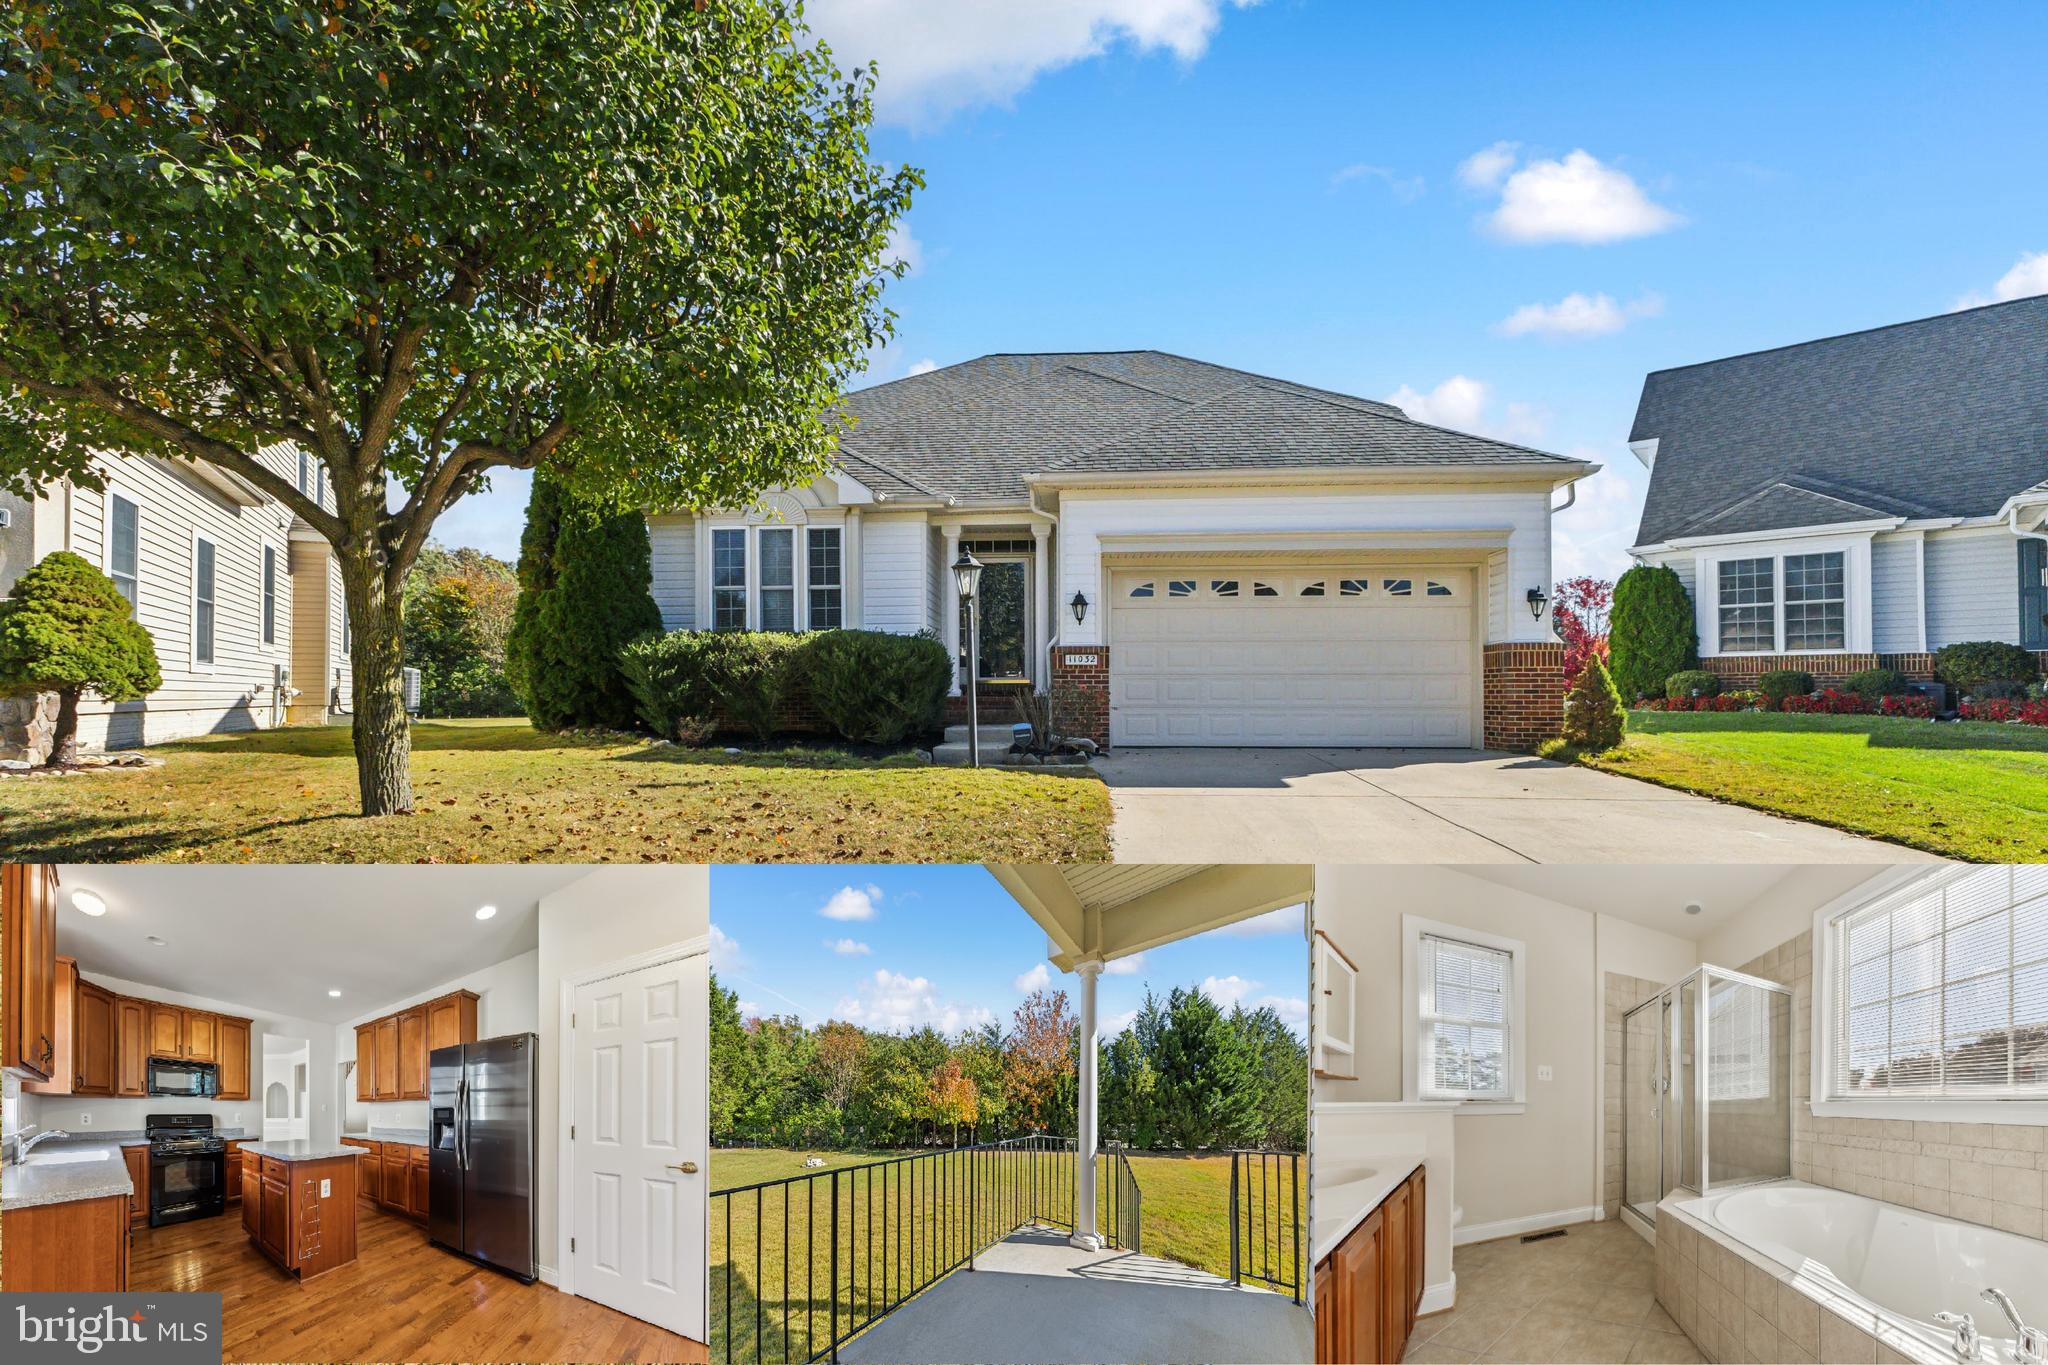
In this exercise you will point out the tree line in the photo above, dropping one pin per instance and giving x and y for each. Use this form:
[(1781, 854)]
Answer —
[(1185, 1074)]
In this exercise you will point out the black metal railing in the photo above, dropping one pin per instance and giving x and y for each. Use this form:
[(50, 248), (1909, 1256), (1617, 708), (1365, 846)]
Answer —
[(1266, 1199), (833, 1251), (1125, 1226)]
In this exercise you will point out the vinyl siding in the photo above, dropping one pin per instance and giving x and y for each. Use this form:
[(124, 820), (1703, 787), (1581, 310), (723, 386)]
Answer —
[(1973, 587), (1685, 566), (673, 540), (895, 571), (1895, 594), (1496, 596)]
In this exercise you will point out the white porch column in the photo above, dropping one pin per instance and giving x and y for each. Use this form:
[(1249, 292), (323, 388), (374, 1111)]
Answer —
[(854, 600), (1045, 610), (949, 606), (1086, 1141)]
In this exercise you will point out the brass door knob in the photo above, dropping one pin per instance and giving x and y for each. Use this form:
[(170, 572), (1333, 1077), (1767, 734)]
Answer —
[(686, 1167)]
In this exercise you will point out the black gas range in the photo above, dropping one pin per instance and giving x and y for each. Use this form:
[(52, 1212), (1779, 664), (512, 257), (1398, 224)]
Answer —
[(188, 1168)]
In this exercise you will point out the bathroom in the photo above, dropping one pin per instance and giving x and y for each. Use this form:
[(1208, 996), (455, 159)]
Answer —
[(1615, 1120)]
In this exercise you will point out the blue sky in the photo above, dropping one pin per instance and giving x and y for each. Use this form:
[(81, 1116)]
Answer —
[(898, 947), (1500, 216)]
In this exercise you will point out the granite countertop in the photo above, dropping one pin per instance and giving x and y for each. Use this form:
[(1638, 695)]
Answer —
[(26, 1186), (125, 1137), (1343, 1203), (300, 1150), (404, 1137)]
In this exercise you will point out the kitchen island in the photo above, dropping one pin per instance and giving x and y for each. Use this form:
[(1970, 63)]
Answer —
[(299, 1204)]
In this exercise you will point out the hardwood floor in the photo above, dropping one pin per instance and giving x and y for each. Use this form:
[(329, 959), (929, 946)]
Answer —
[(401, 1300)]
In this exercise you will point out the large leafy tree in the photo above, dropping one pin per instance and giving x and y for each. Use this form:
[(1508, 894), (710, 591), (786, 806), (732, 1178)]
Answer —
[(640, 242)]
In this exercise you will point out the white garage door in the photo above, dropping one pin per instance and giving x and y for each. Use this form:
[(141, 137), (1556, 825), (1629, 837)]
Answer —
[(1258, 655)]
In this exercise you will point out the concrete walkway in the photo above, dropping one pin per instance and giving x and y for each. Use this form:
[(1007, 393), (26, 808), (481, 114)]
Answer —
[(1035, 1300), (1435, 805)]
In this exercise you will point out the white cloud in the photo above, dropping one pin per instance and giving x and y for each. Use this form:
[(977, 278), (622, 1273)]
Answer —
[(1285, 920), (1124, 966), (848, 947), (1592, 536), (940, 56), (1577, 316), (1486, 168), (1464, 404), (1406, 189), (852, 903), (1292, 1009), (2028, 277), (725, 952), (749, 1010), (922, 366), (904, 249), (1227, 990), (897, 1004), (1111, 1025), (1579, 199), (1037, 979)]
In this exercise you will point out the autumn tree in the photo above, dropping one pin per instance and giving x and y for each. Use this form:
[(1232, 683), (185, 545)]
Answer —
[(637, 242), (1039, 1056), (842, 1048), (1578, 610), (952, 1097)]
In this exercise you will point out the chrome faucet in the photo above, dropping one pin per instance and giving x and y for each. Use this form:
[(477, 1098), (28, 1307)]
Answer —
[(24, 1145), (2032, 1348), (1966, 1333)]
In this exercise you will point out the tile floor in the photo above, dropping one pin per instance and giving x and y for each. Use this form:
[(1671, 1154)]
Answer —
[(1588, 1297)]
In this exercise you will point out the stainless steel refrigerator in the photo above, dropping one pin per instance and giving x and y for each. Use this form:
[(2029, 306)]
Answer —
[(482, 1112)]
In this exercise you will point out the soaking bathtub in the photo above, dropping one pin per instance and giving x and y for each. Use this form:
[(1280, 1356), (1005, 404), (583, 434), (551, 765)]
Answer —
[(1901, 1265)]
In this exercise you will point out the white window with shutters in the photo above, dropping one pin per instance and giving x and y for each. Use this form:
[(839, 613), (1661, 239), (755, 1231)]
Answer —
[(1931, 998), (1464, 1022)]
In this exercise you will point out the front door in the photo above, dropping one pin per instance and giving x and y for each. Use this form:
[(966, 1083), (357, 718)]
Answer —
[(2034, 594), (641, 1142), (1003, 613)]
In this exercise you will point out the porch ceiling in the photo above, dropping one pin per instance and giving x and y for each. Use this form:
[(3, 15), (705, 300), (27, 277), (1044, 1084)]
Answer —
[(1101, 912)]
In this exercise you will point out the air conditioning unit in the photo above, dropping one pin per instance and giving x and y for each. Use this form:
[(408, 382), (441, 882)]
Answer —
[(411, 682)]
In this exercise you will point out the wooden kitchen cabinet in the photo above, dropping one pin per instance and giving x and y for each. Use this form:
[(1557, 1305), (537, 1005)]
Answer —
[(416, 1198), (166, 1030), (366, 1045), (28, 937), (1369, 1288), (252, 1196), (451, 1020), (396, 1191), (79, 1247), (384, 1053), (233, 1038), (308, 1222), (368, 1166), (412, 1054), (393, 1054), (94, 1040), (202, 1037), (232, 1177), (131, 1046), (136, 1154), (63, 1077), (272, 1227)]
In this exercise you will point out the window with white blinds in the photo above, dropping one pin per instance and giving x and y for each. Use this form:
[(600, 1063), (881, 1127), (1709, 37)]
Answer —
[(1467, 1012), (1940, 990)]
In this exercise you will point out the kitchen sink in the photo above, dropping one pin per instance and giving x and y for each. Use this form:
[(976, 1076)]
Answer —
[(61, 1157)]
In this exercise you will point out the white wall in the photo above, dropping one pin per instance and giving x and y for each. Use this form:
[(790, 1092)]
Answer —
[(673, 542), (1782, 912), (1895, 594), (126, 1115), (507, 1002), (614, 914), (895, 572), (1973, 586), (1632, 950)]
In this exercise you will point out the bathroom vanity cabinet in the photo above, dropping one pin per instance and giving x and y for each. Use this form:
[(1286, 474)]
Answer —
[(1369, 1285)]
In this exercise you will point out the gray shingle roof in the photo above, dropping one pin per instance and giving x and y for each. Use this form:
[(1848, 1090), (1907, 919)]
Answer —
[(974, 431), (1946, 416)]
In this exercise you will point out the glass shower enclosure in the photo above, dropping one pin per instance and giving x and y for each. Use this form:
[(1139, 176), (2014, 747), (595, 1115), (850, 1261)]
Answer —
[(1706, 1088)]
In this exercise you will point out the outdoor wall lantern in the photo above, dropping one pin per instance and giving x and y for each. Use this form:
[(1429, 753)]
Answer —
[(1080, 606), (967, 578), (1537, 601)]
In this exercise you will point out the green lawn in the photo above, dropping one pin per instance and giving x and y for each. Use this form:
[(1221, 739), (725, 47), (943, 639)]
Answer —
[(1963, 790), (1185, 1216), (500, 791)]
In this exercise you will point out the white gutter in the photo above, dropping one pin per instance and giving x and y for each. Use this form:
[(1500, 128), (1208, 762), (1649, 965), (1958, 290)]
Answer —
[(1052, 639)]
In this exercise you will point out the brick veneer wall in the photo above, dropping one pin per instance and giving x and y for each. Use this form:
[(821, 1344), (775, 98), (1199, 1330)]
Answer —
[(1743, 670), (1083, 690), (998, 705), (1522, 694)]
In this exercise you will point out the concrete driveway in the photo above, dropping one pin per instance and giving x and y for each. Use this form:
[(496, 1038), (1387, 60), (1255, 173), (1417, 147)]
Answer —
[(1434, 806)]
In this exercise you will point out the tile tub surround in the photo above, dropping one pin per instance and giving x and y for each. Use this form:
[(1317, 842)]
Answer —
[(1624, 993), (1995, 1174), (1736, 1305), (27, 1187), (1588, 1296)]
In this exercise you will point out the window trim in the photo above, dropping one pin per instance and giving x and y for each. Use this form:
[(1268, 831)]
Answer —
[(269, 578), (1858, 624), (811, 586), (212, 662), (2021, 1112), (1413, 929), (800, 569), (115, 490)]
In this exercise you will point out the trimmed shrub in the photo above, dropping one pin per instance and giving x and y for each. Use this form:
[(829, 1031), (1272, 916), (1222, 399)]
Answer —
[(1650, 630), (1593, 715), (2031, 712), (753, 675), (1688, 681), (876, 688), (1782, 683), (1973, 663), (665, 674), (1998, 689), (1875, 684), (65, 628)]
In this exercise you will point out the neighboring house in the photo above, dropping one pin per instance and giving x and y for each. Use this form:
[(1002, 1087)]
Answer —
[(1857, 501), (242, 598), (1194, 554)]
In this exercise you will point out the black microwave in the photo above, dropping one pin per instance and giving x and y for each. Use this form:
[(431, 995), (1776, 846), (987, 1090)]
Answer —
[(186, 1080)]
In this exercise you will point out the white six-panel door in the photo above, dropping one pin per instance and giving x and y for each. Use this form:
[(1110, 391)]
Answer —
[(1258, 655), (640, 1150)]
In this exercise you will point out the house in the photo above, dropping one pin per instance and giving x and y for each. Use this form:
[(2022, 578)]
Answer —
[(242, 597), (1194, 554), (1857, 501)]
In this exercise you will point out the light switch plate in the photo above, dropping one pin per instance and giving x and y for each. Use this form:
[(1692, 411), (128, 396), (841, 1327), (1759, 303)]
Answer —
[(1542, 1073), (326, 1188)]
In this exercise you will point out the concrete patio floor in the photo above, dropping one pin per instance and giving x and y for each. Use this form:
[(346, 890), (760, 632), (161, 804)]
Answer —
[(1035, 1300), (1435, 805)]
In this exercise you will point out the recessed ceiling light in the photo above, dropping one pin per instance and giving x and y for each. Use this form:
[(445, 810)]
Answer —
[(334, 995), (86, 903), (157, 941), (486, 911), (1693, 909)]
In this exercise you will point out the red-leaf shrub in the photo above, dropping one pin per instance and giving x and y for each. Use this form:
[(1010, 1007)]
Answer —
[(1908, 705), (2001, 710), (1829, 701), (1726, 701), (1578, 612)]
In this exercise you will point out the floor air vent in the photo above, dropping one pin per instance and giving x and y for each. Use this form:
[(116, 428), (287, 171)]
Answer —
[(1541, 1236)]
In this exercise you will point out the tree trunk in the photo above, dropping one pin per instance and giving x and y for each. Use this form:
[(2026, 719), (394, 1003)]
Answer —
[(383, 736), (64, 739)]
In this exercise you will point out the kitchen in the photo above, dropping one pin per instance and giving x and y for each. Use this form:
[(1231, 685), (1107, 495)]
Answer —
[(377, 1109)]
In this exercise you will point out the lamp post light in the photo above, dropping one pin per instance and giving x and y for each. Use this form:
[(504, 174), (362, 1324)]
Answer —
[(967, 578)]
